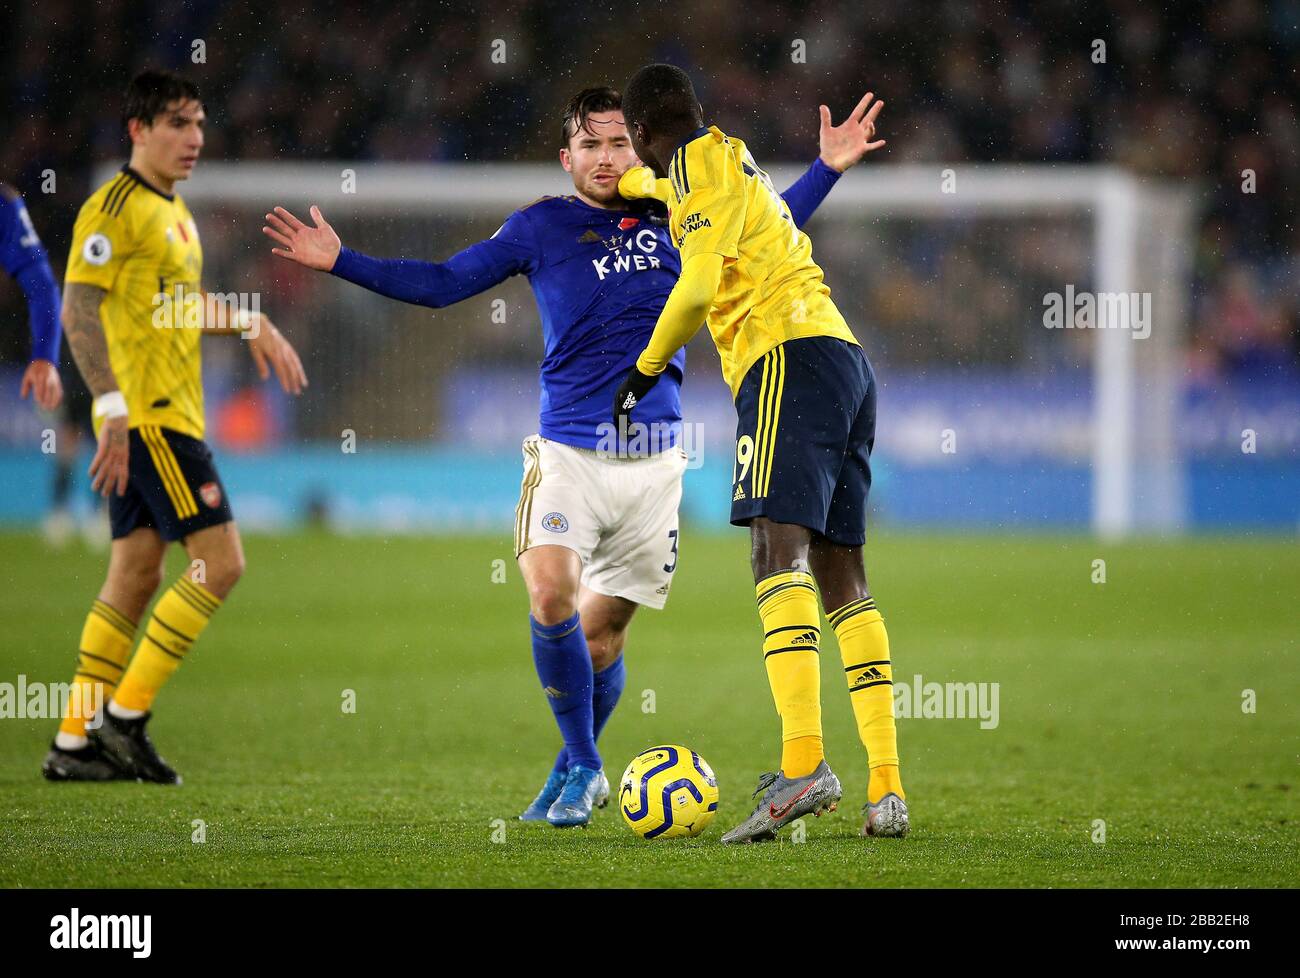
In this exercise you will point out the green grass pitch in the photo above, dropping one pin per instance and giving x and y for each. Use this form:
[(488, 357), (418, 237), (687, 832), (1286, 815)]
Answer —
[(1119, 702)]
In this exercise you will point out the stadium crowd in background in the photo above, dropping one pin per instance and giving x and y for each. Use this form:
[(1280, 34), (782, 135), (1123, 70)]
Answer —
[(1205, 91)]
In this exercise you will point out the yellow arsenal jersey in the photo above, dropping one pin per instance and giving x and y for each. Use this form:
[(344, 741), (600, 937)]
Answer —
[(142, 247), (771, 291)]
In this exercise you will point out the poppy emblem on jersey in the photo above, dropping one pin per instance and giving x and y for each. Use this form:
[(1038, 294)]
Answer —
[(555, 522), (628, 222), (210, 493)]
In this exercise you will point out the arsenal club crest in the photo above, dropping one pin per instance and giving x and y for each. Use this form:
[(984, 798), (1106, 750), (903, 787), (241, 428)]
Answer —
[(210, 493)]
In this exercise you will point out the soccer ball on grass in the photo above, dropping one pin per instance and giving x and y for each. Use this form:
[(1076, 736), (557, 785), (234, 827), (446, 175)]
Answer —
[(668, 792)]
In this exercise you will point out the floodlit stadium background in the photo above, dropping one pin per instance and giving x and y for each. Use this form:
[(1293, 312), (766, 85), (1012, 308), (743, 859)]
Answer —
[(949, 310)]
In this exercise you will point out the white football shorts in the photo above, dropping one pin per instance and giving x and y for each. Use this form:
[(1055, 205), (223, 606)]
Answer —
[(618, 515)]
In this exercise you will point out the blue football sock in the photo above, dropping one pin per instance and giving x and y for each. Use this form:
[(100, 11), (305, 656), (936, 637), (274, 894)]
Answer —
[(564, 667), (604, 697), (608, 687)]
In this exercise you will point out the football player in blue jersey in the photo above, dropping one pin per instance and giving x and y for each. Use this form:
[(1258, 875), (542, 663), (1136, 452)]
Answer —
[(596, 532), (23, 257)]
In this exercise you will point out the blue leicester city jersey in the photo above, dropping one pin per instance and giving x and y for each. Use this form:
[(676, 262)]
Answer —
[(601, 279)]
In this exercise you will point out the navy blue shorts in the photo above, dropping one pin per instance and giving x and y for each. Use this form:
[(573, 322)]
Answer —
[(173, 486), (806, 426)]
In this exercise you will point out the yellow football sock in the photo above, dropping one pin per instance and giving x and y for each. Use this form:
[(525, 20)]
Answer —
[(178, 619), (864, 649), (884, 779), (787, 604), (801, 755), (105, 644)]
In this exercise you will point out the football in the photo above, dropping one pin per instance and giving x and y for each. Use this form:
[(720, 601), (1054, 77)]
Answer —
[(668, 792)]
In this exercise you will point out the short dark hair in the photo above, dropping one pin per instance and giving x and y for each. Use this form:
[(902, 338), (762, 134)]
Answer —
[(582, 105), (662, 98), (150, 92)]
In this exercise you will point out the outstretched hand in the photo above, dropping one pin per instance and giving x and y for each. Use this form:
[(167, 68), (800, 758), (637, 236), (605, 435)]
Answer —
[(315, 247), (845, 145)]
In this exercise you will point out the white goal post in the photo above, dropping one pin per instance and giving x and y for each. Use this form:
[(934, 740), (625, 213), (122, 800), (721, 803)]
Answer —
[(1141, 241)]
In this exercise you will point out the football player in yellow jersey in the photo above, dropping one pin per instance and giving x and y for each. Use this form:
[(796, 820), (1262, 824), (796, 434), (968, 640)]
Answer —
[(133, 313), (806, 401)]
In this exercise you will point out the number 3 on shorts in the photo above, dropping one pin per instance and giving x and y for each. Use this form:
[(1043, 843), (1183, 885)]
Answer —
[(669, 568)]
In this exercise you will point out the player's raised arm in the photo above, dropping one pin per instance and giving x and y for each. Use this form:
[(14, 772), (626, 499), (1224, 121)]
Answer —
[(848, 143), (313, 247), (841, 147), (511, 251)]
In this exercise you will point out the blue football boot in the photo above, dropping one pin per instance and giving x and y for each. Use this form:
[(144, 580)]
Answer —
[(536, 812), (583, 790)]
